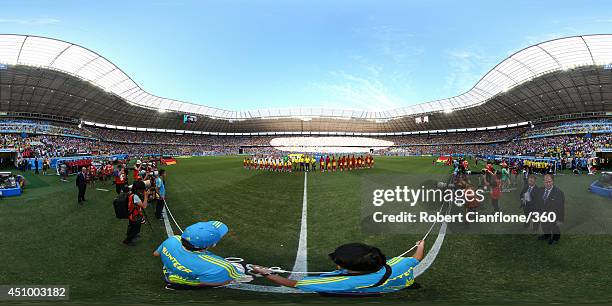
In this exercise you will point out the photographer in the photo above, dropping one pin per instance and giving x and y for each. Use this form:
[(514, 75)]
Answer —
[(362, 270), (137, 170), (120, 179), (137, 200)]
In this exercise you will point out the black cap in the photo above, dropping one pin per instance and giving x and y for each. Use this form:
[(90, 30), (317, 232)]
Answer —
[(358, 257)]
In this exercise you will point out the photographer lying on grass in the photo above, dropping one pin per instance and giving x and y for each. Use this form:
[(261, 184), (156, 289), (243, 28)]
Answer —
[(362, 270)]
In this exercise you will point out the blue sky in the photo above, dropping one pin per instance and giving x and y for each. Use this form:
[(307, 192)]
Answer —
[(341, 54)]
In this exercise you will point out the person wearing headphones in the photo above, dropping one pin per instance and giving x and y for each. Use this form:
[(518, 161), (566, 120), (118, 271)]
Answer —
[(188, 263), (362, 270)]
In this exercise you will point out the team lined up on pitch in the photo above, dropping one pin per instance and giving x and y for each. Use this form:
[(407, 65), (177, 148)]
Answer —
[(306, 163)]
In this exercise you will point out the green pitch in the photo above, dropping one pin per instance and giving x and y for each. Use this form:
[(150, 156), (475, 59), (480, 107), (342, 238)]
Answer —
[(47, 239)]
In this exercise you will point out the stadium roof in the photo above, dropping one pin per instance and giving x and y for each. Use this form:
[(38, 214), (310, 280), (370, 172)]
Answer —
[(522, 66)]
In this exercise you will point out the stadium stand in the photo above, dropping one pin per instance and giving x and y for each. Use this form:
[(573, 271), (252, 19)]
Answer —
[(55, 140)]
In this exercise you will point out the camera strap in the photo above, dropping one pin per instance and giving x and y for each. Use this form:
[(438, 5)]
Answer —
[(382, 280)]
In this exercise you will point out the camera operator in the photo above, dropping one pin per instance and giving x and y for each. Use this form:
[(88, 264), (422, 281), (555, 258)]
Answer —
[(138, 199)]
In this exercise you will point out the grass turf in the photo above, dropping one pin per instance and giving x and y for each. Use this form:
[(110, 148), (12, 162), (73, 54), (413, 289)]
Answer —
[(47, 239)]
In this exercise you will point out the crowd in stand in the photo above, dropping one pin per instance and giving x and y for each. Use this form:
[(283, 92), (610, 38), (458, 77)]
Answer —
[(556, 146), (474, 137), (42, 127), (175, 139), (570, 127), (50, 146), (43, 141)]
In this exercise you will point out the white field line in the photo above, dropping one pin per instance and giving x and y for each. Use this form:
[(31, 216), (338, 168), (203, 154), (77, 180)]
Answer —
[(169, 230), (301, 259), (432, 254)]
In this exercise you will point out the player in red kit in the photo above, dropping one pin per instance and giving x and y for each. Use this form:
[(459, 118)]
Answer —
[(92, 175), (321, 164), (333, 163)]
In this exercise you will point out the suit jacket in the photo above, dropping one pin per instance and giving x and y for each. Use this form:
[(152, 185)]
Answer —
[(554, 203), (80, 180), (536, 197)]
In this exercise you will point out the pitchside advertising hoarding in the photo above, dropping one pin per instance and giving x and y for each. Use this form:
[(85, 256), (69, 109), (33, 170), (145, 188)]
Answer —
[(411, 204)]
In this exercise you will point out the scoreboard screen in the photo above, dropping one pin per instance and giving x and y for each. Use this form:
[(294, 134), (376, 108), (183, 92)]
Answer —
[(189, 119)]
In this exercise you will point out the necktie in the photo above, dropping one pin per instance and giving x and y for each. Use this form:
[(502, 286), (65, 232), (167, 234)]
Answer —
[(546, 194)]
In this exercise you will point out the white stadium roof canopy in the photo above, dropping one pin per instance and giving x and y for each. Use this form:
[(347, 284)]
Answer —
[(520, 67)]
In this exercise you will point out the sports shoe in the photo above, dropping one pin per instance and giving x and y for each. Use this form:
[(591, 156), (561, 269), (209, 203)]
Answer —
[(128, 243), (414, 286)]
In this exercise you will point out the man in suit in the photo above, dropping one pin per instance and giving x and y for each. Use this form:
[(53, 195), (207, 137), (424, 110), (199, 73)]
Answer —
[(553, 206), (81, 183), (530, 197)]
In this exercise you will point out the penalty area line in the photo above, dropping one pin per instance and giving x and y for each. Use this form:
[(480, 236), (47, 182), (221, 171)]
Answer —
[(102, 189)]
